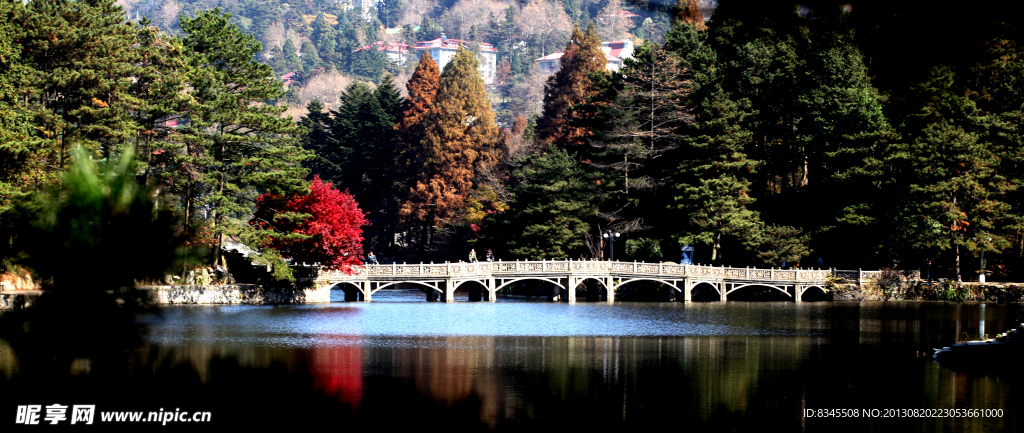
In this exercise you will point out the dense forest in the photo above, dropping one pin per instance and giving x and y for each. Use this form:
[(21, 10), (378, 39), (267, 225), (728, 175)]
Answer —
[(855, 135)]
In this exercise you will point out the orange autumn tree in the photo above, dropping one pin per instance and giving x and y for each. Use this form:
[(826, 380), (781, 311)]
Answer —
[(324, 226), (457, 130), (422, 88), (570, 89), (688, 11)]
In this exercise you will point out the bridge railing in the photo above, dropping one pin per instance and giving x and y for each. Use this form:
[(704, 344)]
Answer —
[(501, 268), (860, 276)]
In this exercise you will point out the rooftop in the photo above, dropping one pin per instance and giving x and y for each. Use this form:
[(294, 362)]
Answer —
[(384, 46), (452, 44), (556, 56)]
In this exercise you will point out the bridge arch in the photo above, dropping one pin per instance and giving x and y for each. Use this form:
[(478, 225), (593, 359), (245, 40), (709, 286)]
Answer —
[(740, 286), (418, 283), (705, 291), (553, 290), (662, 291), (506, 282), (476, 290), (663, 282), (810, 294), (353, 292), (338, 285), (601, 292)]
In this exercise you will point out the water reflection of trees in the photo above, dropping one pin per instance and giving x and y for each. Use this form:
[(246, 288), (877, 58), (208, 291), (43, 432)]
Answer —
[(768, 365)]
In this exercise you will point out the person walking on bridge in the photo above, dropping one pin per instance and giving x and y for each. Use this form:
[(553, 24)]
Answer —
[(472, 255)]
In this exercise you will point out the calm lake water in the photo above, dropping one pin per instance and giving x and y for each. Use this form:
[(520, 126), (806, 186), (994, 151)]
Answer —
[(735, 366)]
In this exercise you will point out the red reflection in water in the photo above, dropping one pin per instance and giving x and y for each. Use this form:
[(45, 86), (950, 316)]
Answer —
[(338, 367)]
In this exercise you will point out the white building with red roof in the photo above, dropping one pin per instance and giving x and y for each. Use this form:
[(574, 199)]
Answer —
[(615, 52), (443, 49), (397, 52)]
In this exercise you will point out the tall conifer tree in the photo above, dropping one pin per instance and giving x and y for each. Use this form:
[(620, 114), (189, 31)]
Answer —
[(79, 62), (570, 88), (364, 129), (392, 189), (714, 176), (324, 36), (551, 211), (159, 86), (245, 146), (459, 126), (645, 124), (26, 159), (422, 88), (957, 186), (319, 140)]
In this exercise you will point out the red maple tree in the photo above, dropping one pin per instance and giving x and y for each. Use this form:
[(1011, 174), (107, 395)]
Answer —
[(331, 235)]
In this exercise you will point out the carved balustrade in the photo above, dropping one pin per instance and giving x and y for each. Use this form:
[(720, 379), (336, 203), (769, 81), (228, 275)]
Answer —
[(438, 271)]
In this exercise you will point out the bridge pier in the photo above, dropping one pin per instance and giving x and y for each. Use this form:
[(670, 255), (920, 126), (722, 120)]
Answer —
[(492, 293), (722, 292), (448, 291)]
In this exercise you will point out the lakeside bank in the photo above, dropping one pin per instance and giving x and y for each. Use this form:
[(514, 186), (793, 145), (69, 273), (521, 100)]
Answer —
[(1003, 293)]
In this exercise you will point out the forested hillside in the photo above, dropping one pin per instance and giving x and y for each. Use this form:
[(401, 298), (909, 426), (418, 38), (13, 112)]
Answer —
[(329, 33), (850, 135)]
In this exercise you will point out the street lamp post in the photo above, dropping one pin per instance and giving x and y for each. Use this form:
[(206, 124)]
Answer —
[(981, 272), (608, 234)]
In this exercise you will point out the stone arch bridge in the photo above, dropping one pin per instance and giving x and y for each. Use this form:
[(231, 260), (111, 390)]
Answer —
[(441, 280)]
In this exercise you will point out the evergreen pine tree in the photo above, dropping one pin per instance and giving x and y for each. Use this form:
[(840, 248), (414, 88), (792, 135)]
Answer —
[(389, 98), (957, 186), (369, 63), (714, 176), (159, 86), (277, 62), (550, 212), (319, 140), (310, 58), (644, 125), (291, 56), (392, 189), (1001, 94), (324, 35), (847, 141), (714, 179), (27, 160), (244, 144), (78, 63)]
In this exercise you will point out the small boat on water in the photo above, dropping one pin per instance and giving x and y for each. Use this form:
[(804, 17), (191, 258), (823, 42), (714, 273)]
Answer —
[(1004, 347)]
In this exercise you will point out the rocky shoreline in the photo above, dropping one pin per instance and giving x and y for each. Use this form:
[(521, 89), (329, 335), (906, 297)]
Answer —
[(934, 291)]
